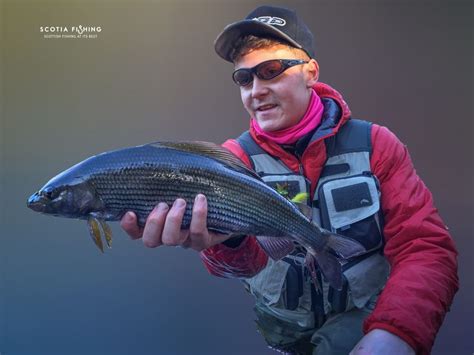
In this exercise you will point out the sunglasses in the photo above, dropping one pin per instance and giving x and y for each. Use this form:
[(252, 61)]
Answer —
[(266, 70)]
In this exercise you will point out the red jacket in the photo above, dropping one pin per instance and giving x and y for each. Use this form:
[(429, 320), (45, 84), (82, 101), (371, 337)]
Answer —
[(421, 253)]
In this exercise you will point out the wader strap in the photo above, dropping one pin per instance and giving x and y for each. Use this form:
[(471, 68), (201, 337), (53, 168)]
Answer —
[(317, 303), (294, 283)]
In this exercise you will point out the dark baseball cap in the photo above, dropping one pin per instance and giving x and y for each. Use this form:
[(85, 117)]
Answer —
[(267, 21)]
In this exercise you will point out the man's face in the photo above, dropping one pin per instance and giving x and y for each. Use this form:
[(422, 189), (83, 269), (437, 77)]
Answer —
[(280, 102)]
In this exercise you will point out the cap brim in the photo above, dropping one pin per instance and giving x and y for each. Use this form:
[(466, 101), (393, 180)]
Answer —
[(224, 43)]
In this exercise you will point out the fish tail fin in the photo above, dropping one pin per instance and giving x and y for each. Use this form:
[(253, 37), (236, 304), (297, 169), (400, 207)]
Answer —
[(328, 263), (343, 246), (329, 266)]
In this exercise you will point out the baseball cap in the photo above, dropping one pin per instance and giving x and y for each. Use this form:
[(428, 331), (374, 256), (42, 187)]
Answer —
[(267, 21)]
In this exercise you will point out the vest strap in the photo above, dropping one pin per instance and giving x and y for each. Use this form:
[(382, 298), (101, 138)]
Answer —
[(354, 136), (249, 146)]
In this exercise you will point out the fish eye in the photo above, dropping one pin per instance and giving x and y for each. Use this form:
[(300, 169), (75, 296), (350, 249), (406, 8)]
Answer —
[(51, 193)]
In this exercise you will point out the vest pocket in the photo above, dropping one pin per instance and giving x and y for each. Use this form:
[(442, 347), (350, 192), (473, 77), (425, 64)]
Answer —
[(365, 231), (366, 279), (288, 185), (350, 206), (363, 282), (270, 286)]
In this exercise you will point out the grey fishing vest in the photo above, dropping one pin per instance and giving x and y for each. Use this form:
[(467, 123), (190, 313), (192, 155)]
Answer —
[(346, 201)]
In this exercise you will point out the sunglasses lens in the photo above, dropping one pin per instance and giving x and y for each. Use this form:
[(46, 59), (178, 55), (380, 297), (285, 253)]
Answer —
[(269, 70), (265, 71), (242, 77)]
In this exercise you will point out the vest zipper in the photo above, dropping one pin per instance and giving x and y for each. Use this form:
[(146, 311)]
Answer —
[(300, 168)]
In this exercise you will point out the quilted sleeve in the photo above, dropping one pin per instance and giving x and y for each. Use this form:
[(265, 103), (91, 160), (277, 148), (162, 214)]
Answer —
[(421, 253)]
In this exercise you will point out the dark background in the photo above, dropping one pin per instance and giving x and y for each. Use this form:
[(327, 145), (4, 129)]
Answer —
[(152, 74)]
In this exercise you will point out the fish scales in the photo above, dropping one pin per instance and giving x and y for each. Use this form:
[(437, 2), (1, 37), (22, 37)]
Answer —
[(149, 189), (183, 185)]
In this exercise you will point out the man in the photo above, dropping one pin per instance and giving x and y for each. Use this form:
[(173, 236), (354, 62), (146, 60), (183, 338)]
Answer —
[(361, 184)]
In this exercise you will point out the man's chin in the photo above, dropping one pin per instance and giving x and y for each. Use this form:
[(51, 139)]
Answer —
[(269, 128), (268, 124)]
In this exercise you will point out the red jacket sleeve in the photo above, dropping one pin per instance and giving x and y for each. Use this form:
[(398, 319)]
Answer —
[(421, 253), (248, 258)]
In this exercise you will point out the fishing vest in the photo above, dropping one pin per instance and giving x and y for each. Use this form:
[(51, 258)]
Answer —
[(346, 201)]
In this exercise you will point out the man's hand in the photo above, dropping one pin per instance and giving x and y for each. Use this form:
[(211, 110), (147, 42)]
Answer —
[(381, 342), (163, 226)]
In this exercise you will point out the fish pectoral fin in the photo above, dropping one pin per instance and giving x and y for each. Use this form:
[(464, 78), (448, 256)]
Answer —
[(276, 247), (94, 231), (107, 233), (343, 246)]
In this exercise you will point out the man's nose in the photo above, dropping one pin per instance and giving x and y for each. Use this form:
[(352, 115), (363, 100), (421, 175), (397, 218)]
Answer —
[(259, 87)]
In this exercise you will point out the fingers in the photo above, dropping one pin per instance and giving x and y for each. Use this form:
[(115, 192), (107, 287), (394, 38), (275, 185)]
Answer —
[(172, 234), (200, 238), (152, 233), (199, 235), (163, 226), (199, 219), (129, 225)]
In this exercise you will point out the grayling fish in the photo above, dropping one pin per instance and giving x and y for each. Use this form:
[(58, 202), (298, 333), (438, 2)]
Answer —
[(106, 186)]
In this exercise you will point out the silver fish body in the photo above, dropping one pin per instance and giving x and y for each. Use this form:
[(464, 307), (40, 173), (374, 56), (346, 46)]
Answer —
[(106, 186)]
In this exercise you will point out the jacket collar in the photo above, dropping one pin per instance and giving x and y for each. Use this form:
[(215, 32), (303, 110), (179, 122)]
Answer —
[(336, 113)]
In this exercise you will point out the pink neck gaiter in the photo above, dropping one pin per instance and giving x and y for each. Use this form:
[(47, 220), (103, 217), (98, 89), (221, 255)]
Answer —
[(290, 135)]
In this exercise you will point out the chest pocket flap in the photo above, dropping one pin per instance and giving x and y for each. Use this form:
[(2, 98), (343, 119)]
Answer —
[(349, 200)]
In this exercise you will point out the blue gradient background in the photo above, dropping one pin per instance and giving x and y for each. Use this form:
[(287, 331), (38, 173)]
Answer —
[(152, 74)]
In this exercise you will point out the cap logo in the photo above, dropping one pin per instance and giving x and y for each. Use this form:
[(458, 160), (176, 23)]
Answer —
[(270, 20)]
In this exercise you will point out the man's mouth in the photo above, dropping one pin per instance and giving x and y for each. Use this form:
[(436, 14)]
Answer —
[(266, 107)]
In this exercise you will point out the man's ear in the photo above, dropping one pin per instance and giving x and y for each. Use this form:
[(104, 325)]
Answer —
[(312, 73)]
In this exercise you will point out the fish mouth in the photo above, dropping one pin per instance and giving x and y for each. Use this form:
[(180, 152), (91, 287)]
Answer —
[(37, 202)]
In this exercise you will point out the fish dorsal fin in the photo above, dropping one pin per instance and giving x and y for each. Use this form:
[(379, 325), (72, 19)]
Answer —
[(210, 150)]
